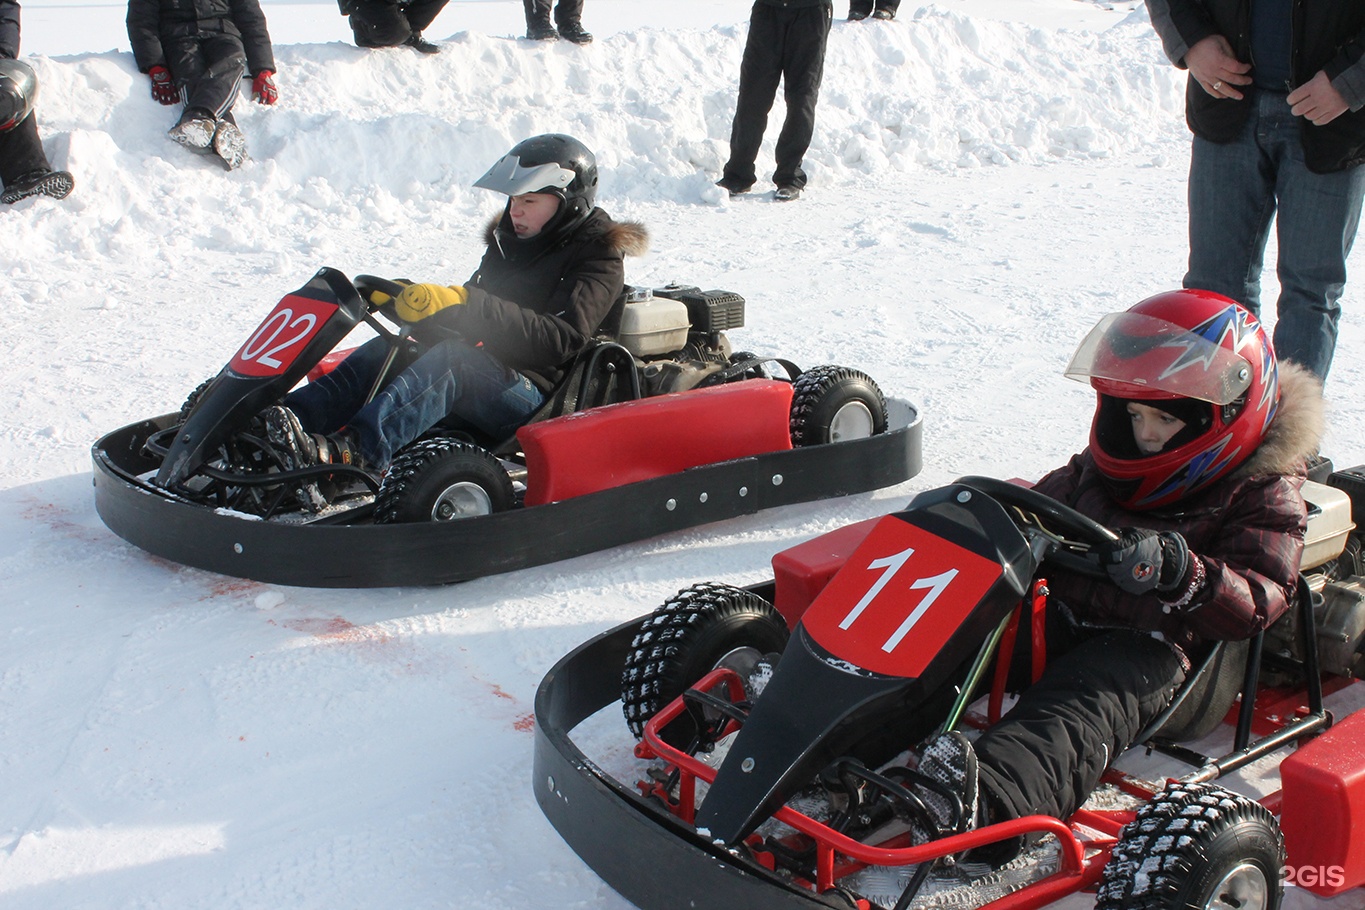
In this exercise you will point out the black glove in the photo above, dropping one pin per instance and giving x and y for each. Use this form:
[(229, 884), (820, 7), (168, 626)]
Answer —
[(1142, 561)]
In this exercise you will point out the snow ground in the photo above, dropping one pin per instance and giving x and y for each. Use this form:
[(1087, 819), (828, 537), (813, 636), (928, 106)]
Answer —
[(988, 178)]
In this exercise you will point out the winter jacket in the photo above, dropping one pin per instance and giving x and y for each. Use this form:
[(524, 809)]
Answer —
[(536, 306), (1246, 528), (1328, 36), (9, 29), (154, 23)]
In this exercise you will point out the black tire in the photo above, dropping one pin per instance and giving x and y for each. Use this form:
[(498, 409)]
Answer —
[(684, 639), (192, 398), (1196, 847), (442, 480), (832, 403)]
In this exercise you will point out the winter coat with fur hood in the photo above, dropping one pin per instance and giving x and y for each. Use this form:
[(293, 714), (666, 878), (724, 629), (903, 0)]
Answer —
[(1246, 528), (536, 305)]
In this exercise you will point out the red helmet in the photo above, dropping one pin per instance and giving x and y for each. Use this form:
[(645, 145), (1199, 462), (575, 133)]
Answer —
[(1192, 353)]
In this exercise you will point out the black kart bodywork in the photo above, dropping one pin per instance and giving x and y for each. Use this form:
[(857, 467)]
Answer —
[(203, 487)]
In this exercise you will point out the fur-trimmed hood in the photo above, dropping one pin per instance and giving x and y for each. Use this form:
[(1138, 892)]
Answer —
[(629, 238), (1296, 432)]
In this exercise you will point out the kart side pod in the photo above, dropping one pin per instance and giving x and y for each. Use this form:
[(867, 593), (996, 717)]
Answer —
[(900, 621)]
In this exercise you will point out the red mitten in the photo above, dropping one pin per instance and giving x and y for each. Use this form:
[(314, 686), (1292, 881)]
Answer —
[(263, 88), (163, 89)]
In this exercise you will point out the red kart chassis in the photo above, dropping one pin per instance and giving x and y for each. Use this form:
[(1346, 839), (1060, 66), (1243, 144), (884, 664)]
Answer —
[(642, 841)]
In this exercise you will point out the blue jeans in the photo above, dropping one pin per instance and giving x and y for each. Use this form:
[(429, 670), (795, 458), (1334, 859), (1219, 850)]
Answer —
[(451, 379), (1235, 189)]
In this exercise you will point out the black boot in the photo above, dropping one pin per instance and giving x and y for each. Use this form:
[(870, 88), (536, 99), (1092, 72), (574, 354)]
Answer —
[(42, 182), (576, 33)]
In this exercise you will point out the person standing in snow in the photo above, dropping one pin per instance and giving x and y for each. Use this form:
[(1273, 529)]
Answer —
[(568, 16), (24, 168), (786, 43), (1284, 138), (198, 51), (498, 344), (1198, 452), (392, 23)]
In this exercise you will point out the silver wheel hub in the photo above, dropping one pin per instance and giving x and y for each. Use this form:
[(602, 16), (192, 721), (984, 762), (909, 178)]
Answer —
[(1243, 888), (461, 500), (852, 421)]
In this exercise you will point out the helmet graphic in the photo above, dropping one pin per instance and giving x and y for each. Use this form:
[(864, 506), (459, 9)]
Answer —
[(18, 92), (1196, 355), (551, 163)]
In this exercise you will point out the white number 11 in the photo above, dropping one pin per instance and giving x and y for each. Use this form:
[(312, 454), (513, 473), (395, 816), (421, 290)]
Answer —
[(892, 565)]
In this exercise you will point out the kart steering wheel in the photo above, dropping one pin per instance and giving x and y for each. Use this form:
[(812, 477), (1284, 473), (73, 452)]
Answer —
[(369, 284), (1053, 518)]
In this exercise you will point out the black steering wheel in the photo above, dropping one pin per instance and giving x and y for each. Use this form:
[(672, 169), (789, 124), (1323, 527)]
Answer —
[(367, 285), (1075, 535)]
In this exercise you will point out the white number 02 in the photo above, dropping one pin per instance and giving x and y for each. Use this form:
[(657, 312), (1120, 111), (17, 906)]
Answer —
[(259, 346), (892, 564)]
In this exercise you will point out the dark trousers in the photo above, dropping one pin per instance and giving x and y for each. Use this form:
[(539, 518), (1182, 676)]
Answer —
[(567, 12), (21, 151), (866, 6), (208, 68), (1047, 754), (786, 45), (380, 24)]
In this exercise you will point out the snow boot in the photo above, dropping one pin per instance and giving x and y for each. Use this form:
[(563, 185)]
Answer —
[(734, 187), (195, 130), (948, 761), (575, 33), (787, 193), (420, 44), (541, 31), (229, 144), (43, 181), (883, 14)]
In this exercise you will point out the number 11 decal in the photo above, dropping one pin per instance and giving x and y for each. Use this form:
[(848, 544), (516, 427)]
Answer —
[(892, 564)]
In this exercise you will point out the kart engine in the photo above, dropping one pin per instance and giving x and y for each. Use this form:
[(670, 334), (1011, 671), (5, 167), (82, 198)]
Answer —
[(1333, 566), (679, 333)]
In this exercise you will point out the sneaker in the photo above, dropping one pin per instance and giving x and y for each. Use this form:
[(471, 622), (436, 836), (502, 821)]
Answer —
[(420, 44), (734, 187), (56, 184), (576, 34), (545, 32), (857, 15), (787, 193), (229, 144), (949, 761), (883, 14), (193, 132)]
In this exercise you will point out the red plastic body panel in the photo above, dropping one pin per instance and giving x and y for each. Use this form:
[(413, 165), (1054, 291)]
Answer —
[(801, 572), (328, 364), (1324, 809), (633, 441)]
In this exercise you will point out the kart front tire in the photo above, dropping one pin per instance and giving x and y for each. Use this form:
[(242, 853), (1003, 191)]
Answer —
[(833, 404), (683, 640), (193, 397), (1196, 847), (442, 480)]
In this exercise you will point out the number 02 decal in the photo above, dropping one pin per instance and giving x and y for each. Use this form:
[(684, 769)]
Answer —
[(886, 609), (277, 341)]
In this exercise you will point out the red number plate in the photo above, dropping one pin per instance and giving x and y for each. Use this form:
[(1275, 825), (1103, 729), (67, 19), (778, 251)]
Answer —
[(898, 599), (279, 339)]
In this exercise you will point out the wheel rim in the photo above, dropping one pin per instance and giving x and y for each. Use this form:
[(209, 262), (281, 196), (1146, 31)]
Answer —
[(852, 421), (461, 500), (1243, 888)]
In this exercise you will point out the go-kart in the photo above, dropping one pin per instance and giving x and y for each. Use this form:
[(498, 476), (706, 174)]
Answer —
[(658, 425), (775, 770)]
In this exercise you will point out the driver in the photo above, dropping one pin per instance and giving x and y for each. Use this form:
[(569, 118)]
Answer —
[(551, 274), (1198, 450)]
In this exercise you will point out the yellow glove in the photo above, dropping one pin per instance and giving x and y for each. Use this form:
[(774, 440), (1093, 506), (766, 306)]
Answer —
[(419, 301)]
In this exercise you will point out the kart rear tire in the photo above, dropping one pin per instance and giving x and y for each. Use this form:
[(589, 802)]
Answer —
[(683, 640), (833, 403), (1196, 847), (442, 480)]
